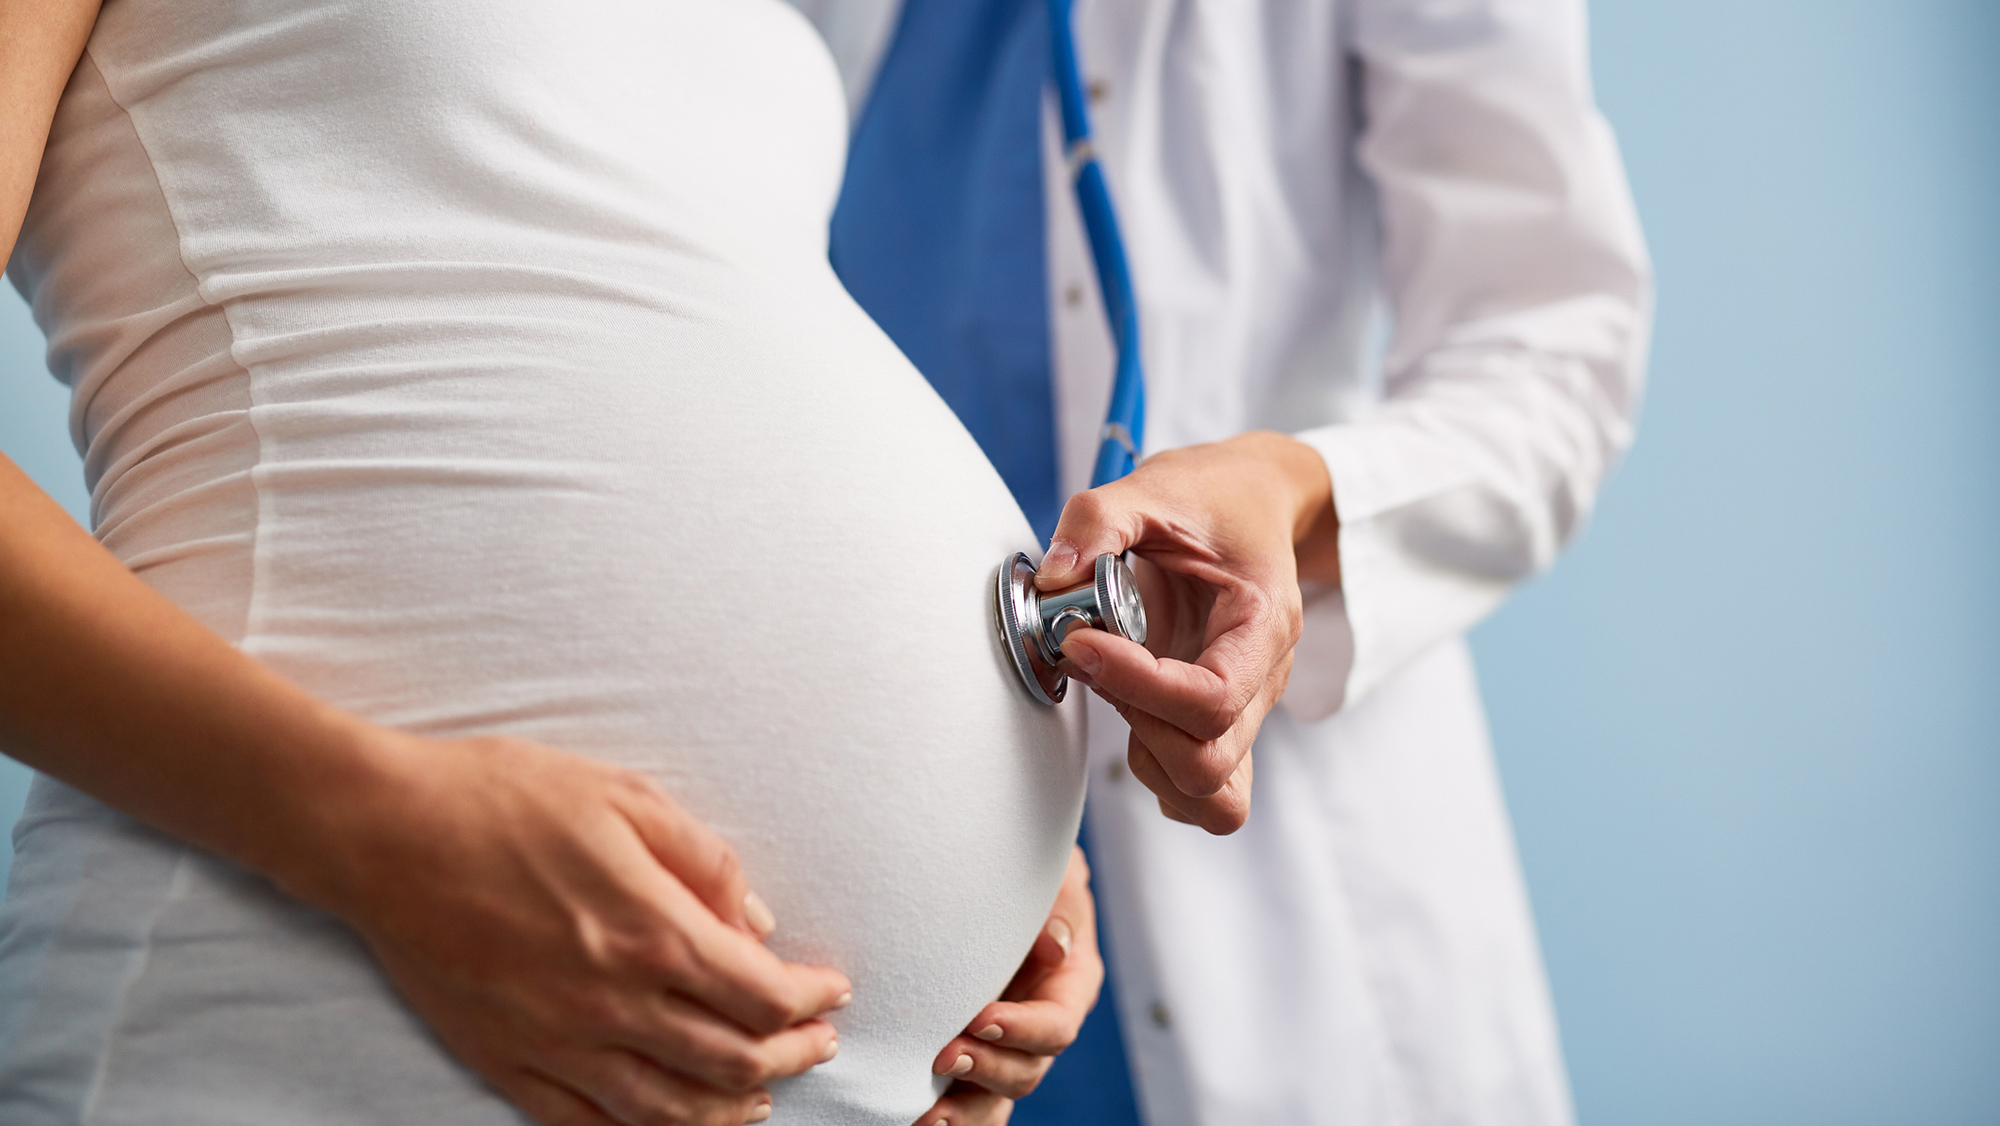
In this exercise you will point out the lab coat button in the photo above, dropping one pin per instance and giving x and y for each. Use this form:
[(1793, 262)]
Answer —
[(1162, 1019), (1097, 90), (1116, 771), (1073, 295)]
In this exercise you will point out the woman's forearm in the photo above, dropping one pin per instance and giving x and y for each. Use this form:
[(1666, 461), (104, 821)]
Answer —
[(110, 687), (106, 684)]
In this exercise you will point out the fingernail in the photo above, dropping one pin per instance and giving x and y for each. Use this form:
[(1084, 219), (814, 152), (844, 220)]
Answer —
[(1061, 557), (991, 1032), (961, 1065), (1059, 931), (832, 1049), (759, 1112), (757, 913), (844, 1000), (1086, 659)]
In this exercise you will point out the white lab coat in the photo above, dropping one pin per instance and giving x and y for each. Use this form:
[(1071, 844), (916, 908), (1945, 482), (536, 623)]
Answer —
[(1294, 177)]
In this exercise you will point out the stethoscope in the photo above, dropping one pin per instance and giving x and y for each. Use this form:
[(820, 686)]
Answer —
[(1033, 625)]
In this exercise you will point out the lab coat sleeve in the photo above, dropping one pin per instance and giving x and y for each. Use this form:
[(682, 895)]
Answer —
[(1521, 299)]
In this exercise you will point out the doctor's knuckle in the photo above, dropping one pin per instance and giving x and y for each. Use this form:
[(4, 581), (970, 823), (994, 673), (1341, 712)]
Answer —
[(1207, 771), (1214, 717), (1223, 813), (1293, 623), (1091, 509)]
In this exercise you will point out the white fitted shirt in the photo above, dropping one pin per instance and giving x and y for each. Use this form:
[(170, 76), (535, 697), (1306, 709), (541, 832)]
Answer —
[(1400, 230), (478, 367)]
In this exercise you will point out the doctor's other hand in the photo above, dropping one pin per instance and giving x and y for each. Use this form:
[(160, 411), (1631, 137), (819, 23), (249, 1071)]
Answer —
[(1007, 1049), (1221, 534), (572, 935)]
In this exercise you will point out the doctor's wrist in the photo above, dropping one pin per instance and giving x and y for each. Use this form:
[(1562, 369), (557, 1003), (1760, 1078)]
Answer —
[(1301, 472)]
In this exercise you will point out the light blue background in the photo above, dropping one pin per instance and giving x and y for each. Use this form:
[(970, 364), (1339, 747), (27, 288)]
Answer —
[(1751, 727)]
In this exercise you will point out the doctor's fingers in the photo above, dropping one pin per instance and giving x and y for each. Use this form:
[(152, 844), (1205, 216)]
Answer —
[(694, 853), (632, 1092), (1198, 764), (1220, 813), (689, 1040), (1205, 699)]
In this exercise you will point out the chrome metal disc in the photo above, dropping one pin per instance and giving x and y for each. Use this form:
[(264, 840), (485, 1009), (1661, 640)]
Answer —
[(1017, 614), (1118, 604)]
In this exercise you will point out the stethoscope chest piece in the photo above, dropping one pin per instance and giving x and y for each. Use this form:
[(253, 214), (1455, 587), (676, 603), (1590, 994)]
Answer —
[(1033, 624)]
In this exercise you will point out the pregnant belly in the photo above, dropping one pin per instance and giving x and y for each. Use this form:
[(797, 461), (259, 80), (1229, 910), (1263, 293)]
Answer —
[(751, 558)]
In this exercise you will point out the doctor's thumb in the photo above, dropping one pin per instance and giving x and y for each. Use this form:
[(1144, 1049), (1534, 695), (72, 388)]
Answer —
[(1093, 523)]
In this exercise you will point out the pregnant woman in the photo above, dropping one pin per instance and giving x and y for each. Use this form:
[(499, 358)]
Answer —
[(464, 380)]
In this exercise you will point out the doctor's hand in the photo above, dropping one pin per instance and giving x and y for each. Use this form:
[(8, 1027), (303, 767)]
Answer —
[(575, 937), (1221, 533), (1009, 1046)]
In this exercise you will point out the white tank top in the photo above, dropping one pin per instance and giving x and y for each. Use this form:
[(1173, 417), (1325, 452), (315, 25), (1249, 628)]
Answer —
[(477, 365)]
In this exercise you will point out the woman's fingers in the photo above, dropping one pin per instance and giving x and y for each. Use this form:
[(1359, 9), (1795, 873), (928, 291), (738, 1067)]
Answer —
[(633, 1092), (1046, 1026), (556, 916), (1073, 914), (1003, 1071), (696, 854), (692, 1041), (969, 1106), (734, 974)]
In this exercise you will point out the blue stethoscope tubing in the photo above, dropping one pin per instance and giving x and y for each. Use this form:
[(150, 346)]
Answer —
[(1124, 431)]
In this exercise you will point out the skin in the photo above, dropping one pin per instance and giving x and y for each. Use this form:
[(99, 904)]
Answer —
[(1222, 534), (570, 933)]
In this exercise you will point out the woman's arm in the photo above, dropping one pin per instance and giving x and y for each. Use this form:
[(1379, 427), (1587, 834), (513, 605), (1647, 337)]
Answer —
[(40, 42), (566, 929)]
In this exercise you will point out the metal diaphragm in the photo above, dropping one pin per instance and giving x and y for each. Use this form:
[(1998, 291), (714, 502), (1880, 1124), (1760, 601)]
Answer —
[(1032, 624)]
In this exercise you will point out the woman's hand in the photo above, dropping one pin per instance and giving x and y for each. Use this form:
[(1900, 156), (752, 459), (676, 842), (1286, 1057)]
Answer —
[(573, 936), (1009, 1046), (1221, 533)]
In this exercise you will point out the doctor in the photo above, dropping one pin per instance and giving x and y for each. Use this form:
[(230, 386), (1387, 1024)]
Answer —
[(1303, 186)]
